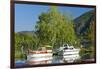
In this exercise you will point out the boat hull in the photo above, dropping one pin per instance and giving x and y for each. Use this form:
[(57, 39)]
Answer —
[(71, 52), (38, 57)]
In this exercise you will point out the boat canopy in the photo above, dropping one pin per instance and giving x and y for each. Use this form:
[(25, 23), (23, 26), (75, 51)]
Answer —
[(47, 46)]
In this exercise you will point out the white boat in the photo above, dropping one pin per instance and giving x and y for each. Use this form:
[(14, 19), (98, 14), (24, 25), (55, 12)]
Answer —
[(39, 56), (68, 50), (69, 53)]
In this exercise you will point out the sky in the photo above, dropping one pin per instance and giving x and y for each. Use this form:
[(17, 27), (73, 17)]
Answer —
[(26, 15)]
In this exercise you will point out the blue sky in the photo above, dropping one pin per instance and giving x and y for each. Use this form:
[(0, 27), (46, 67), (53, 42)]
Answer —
[(26, 15)]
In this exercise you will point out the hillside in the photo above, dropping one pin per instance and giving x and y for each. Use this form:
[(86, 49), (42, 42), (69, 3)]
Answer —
[(85, 29), (83, 22)]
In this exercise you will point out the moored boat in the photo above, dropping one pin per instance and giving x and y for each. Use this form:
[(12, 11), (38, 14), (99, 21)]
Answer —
[(39, 56), (68, 50)]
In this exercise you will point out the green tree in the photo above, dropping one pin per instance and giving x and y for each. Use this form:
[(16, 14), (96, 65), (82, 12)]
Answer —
[(55, 29)]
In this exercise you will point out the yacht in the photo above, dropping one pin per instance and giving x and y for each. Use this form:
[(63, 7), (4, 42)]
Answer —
[(68, 50), (69, 53)]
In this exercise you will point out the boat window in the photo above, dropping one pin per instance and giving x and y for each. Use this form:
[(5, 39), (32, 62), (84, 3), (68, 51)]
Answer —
[(65, 48), (65, 45)]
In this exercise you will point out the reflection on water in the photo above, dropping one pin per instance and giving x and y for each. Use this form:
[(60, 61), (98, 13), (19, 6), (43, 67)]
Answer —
[(71, 58), (57, 60), (54, 60)]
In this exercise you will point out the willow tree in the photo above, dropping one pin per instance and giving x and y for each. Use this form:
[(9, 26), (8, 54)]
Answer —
[(54, 28), (24, 42)]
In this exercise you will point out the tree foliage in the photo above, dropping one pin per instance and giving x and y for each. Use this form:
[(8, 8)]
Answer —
[(55, 29)]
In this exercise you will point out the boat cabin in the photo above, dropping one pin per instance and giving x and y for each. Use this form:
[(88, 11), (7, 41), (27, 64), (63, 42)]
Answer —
[(66, 46)]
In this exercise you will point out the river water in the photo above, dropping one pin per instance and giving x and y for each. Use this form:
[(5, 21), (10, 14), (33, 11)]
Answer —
[(56, 60)]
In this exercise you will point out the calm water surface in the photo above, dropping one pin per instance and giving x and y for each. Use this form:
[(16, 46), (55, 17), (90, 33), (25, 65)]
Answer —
[(55, 60)]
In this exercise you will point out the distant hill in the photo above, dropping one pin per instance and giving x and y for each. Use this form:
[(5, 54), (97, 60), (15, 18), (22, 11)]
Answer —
[(31, 33), (22, 32), (83, 22), (85, 28)]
